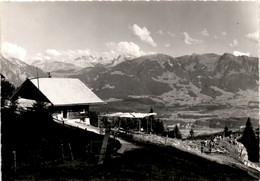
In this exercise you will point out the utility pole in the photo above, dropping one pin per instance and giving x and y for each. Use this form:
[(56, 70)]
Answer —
[(37, 78), (14, 165), (104, 147)]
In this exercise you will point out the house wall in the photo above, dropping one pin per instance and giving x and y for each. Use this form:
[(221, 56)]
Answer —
[(71, 112)]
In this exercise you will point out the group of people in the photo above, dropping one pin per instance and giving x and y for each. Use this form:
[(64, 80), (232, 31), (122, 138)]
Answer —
[(207, 143)]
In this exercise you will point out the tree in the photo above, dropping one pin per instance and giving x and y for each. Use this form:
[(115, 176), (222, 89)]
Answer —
[(158, 127), (249, 140), (7, 90), (226, 132), (171, 134), (177, 132), (192, 133), (150, 121)]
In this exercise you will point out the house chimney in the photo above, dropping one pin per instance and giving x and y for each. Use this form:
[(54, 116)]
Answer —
[(49, 74)]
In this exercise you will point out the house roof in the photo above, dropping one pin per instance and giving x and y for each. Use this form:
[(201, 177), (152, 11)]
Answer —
[(66, 91), (62, 91)]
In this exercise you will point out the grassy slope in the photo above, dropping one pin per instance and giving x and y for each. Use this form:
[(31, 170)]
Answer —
[(148, 163), (39, 158)]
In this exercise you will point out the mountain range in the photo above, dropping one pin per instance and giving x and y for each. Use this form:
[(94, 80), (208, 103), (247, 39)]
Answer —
[(16, 71), (156, 79), (191, 79), (73, 65)]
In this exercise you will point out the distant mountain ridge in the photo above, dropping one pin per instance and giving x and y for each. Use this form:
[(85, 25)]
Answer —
[(16, 71), (50, 66), (190, 79), (79, 63)]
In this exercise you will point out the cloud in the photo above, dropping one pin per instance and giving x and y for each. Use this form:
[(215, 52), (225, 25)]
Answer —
[(47, 57), (124, 48), (77, 53), (237, 53), (143, 34), (160, 32), (59, 55), (12, 50), (204, 32), (224, 33), (53, 52), (233, 43), (216, 37), (38, 54), (171, 34), (67, 53), (129, 48), (167, 45), (189, 41), (253, 36)]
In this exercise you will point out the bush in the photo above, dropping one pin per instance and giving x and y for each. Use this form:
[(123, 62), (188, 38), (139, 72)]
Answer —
[(175, 133)]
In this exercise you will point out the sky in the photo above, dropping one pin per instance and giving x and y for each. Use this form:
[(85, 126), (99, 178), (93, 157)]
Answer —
[(62, 30)]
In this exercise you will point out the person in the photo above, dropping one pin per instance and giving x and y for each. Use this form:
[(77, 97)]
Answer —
[(202, 146), (211, 144)]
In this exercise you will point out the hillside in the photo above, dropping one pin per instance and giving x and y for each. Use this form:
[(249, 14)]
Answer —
[(16, 71), (47, 155)]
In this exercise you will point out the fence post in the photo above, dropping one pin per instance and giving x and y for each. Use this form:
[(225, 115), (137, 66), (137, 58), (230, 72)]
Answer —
[(62, 152), (71, 154), (14, 154), (166, 139), (91, 145), (147, 130), (104, 147)]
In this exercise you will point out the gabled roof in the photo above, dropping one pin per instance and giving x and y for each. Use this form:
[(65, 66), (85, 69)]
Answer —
[(63, 91)]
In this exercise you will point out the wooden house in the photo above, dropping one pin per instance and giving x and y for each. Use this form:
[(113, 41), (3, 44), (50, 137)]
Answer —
[(68, 98)]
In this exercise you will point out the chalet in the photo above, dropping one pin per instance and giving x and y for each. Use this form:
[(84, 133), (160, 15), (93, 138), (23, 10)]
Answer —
[(68, 98)]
